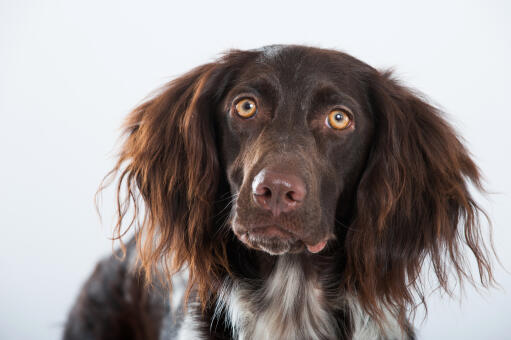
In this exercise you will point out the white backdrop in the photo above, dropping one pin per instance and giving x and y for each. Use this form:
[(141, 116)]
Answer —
[(70, 72)]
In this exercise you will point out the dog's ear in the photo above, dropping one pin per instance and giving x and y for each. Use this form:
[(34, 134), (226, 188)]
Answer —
[(169, 159), (413, 204)]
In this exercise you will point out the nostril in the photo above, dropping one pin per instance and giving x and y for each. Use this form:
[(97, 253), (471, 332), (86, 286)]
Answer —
[(297, 195), (262, 196), (263, 191), (266, 193), (290, 196)]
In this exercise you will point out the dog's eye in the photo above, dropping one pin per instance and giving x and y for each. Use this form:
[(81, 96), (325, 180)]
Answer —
[(246, 108), (338, 119)]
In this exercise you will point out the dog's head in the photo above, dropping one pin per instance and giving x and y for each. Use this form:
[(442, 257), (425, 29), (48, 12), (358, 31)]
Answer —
[(292, 149), (294, 131)]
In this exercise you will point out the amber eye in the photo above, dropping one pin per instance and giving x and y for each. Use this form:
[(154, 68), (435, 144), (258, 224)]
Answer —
[(246, 108), (338, 119)]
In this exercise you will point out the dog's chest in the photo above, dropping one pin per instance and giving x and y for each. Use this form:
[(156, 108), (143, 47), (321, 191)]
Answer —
[(287, 306)]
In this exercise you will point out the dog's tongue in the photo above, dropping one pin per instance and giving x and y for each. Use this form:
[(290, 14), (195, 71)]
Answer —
[(316, 248)]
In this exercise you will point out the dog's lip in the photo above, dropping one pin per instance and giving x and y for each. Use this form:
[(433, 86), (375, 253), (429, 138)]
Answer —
[(273, 230), (277, 231)]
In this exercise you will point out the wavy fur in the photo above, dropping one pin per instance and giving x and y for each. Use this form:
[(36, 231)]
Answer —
[(412, 203)]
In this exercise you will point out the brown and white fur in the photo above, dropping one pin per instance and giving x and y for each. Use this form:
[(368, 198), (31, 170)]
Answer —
[(288, 192)]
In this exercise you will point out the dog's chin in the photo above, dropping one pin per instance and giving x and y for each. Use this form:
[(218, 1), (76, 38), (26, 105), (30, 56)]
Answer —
[(273, 245), (275, 240)]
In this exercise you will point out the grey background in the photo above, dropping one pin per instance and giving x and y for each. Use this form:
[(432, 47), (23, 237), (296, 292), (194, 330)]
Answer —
[(70, 72)]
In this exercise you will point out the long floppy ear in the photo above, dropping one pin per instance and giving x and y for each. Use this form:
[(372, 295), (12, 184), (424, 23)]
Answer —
[(169, 159), (413, 204)]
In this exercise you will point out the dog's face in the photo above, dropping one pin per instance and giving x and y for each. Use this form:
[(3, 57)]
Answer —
[(295, 132)]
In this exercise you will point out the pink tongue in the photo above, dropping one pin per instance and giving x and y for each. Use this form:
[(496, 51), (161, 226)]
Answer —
[(316, 248)]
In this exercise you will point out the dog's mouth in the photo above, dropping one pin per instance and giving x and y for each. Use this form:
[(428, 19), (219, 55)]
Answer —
[(276, 240)]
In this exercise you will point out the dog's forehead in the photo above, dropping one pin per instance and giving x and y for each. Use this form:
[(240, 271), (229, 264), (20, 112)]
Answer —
[(303, 69)]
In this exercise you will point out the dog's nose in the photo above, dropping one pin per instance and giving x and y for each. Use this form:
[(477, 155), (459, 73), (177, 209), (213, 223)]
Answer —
[(278, 191)]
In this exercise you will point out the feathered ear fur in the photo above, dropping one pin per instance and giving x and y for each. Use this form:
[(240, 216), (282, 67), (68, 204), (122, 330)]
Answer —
[(413, 204), (169, 159)]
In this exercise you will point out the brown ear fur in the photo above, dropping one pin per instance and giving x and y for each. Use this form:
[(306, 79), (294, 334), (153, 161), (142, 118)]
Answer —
[(413, 203), (169, 157)]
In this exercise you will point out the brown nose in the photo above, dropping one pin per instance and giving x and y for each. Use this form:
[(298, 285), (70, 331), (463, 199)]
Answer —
[(278, 191)]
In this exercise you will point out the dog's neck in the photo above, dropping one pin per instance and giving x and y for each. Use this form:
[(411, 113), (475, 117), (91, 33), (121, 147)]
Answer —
[(291, 303), (291, 297), (297, 297)]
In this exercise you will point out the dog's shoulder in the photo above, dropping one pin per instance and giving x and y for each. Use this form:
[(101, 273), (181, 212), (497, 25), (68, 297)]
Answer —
[(115, 303)]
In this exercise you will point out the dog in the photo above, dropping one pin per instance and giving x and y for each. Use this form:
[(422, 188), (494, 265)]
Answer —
[(287, 192)]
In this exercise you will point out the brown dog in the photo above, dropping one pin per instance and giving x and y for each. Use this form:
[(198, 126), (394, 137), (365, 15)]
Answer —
[(297, 191)]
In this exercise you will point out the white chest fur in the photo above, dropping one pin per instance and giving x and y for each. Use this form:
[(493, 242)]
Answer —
[(287, 306)]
